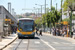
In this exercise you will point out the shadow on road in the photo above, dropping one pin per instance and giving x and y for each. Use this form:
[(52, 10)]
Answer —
[(30, 38)]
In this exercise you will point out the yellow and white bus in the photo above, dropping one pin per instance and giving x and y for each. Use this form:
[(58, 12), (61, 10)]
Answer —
[(26, 28)]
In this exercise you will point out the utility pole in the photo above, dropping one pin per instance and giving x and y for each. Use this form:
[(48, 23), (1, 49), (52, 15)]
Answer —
[(56, 13), (50, 21), (35, 12), (70, 6), (41, 10), (51, 5), (61, 14), (56, 6), (45, 6), (38, 12), (61, 11), (71, 22), (44, 17)]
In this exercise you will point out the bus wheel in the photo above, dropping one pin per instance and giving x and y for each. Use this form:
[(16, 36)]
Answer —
[(19, 37), (33, 37)]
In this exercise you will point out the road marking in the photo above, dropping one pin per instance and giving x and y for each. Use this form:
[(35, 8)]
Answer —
[(37, 42), (55, 42), (65, 43), (15, 42), (18, 45), (25, 42), (48, 44)]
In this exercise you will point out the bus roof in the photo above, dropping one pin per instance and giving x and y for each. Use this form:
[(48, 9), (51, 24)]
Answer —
[(25, 19)]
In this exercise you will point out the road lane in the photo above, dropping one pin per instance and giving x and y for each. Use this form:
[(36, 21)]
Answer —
[(29, 44), (37, 44), (44, 42), (57, 43), (48, 44)]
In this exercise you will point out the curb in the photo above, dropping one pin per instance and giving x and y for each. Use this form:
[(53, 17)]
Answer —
[(8, 43), (58, 36), (72, 40)]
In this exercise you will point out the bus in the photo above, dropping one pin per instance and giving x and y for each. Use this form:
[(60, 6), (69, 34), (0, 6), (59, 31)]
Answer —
[(26, 28)]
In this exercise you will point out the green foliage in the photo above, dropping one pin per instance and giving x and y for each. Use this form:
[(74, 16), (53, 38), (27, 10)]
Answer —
[(65, 13), (51, 17), (38, 22), (73, 17), (53, 8), (66, 19), (67, 3), (43, 18)]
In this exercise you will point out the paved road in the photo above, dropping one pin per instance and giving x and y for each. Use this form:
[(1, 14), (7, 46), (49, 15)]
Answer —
[(44, 42)]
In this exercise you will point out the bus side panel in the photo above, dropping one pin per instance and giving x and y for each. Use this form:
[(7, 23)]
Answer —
[(26, 33)]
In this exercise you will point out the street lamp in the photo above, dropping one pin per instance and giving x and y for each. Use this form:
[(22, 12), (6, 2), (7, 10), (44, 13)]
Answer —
[(38, 11), (41, 11), (61, 12), (41, 8), (35, 11), (72, 8)]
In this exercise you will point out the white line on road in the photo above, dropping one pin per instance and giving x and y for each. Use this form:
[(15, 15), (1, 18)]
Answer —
[(55, 42), (37, 42), (65, 43), (48, 44), (25, 42)]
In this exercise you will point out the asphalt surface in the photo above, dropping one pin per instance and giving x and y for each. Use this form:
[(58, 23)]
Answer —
[(44, 42)]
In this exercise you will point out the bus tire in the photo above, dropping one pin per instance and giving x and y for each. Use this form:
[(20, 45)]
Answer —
[(19, 37), (33, 37)]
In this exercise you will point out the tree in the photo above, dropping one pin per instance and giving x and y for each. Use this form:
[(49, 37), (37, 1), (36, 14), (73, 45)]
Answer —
[(38, 22), (43, 19), (67, 3), (52, 8), (51, 17)]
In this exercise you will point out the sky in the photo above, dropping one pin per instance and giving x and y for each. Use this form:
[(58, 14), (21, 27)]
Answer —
[(18, 5)]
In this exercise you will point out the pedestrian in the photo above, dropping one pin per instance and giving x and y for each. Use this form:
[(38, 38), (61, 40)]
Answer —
[(65, 32), (57, 32), (53, 32), (40, 32), (15, 29), (71, 34), (36, 31)]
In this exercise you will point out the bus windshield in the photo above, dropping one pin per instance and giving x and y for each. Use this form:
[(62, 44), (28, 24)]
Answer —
[(26, 25)]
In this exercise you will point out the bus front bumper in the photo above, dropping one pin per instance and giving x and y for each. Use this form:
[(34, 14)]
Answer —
[(29, 35)]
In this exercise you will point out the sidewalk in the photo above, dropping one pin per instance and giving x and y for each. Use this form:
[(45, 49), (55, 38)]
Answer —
[(60, 37), (7, 40)]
